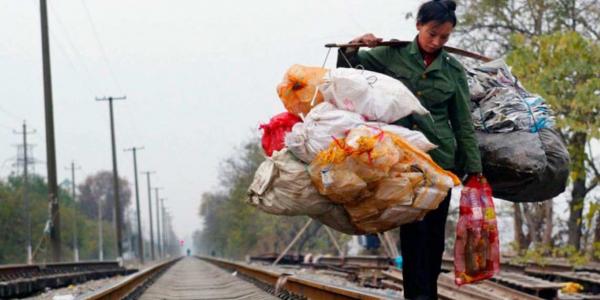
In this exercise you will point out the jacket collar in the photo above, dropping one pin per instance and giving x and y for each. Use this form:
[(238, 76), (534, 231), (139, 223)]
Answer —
[(437, 62)]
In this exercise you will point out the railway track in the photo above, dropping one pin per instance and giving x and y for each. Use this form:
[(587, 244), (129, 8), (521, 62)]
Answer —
[(515, 281), (26, 280), (319, 277), (194, 278)]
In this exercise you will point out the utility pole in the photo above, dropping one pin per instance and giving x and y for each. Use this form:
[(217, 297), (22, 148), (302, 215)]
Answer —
[(158, 239), (137, 203), (25, 189), (100, 242), (118, 213), (50, 145), (164, 234), (73, 195), (150, 212)]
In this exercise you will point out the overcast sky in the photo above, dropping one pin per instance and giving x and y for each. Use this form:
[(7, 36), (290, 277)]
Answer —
[(199, 77)]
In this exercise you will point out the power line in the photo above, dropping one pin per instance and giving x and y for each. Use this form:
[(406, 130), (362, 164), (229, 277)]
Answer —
[(60, 47), (73, 48), (10, 114), (112, 74), (102, 51)]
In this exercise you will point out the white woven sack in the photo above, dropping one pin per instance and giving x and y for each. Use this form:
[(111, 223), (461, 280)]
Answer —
[(322, 124), (415, 138), (282, 186), (375, 96)]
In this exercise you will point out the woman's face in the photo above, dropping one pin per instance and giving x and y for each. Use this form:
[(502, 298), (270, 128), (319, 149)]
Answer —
[(433, 36)]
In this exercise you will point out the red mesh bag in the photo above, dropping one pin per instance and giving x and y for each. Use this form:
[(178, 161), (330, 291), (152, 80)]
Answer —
[(274, 132), (477, 250)]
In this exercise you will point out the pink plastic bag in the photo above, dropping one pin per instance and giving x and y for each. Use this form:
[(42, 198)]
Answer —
[(274, 132), (477, 250)]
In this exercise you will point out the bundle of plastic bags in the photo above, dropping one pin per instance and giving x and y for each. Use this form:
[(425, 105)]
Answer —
[(502, 104), (325, 123), (477, 249), (523, 157), (343, 164), (375, 96), (381, 179)]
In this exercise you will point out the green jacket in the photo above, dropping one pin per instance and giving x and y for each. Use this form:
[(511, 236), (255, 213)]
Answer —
[(442, 89)]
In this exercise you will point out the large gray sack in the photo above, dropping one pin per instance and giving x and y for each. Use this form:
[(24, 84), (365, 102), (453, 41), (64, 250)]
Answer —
[(523, 166)]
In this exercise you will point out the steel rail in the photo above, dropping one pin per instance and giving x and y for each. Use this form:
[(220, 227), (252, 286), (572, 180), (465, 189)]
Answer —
[(291, 283), (485, 290), (25, 280), (134, 284), (15, 271)]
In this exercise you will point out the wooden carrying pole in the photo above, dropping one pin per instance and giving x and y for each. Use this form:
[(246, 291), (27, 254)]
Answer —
[(404, 43)]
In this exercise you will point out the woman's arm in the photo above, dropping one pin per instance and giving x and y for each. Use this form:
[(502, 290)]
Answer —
[(468, 156), (350, 57)]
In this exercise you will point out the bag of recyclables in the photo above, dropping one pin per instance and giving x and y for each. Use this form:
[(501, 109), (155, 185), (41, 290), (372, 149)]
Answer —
[(381, 179), (299, 89), (375, 96), (274, 132), (502, 104), (523, 157), (282, 186), (325, 123)]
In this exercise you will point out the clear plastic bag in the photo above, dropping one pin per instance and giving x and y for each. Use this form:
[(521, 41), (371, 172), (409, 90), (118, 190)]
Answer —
[(477, 250)]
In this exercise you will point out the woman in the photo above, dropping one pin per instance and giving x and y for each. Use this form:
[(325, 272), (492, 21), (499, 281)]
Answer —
[(438, 80)]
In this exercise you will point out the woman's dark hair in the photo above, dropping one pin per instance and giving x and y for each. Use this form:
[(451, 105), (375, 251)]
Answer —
[(439, 11)]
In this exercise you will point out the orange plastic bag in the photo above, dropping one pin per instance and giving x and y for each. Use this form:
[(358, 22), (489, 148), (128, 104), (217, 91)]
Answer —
[(299, 87), (477, 250)]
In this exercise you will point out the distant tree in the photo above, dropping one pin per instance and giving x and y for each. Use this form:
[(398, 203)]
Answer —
[(487, 25), (13, 224), (100, 186)]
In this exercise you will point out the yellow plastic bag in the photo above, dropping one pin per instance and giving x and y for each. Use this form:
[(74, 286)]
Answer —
[(337, 182), (381, 179), (437, 181), (391, 218), (299, 87), (332, 174), (398, 190)]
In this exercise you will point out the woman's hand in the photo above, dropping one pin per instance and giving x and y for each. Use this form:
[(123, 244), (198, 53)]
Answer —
[(369, 39), (478, 176)]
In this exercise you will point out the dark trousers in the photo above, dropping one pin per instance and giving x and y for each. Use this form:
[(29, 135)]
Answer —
[(422, 245)]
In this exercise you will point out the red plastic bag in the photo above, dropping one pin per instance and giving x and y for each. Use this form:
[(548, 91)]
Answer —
[(477, 250), (274, 132)]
